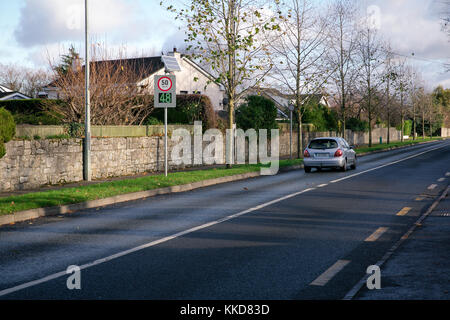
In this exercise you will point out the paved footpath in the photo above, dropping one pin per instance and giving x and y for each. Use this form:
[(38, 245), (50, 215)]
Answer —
[(419, 269)]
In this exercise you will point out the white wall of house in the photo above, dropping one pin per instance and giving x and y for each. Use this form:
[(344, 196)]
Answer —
[(187, 85)]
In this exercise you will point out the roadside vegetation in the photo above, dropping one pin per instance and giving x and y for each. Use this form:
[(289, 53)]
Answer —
[(384, 146)]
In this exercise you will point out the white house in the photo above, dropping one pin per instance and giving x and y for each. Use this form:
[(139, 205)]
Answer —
[(8, 94), (192, 79)]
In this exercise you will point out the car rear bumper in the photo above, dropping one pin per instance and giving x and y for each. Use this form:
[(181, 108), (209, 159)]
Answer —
[(324, 163)]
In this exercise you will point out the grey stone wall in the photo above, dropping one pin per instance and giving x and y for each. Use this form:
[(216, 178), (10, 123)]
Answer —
[(35, 163)]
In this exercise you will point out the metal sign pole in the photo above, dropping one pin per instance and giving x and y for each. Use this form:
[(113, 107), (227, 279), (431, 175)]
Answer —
[(87, 121), (165, 143), (290, 138)]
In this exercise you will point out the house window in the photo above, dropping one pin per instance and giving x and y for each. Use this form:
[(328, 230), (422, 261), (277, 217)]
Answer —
[(183, 92)]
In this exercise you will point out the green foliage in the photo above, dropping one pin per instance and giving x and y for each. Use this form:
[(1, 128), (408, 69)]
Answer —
[(441, 97), (7, 129), (37, 137), (58, 136), (257, 113), (34, 111), (67, 61), (2, 149), (407, 127), (75, 129), (357, 125), (190, 108), (7, 125), (320, 116), (152, 121)]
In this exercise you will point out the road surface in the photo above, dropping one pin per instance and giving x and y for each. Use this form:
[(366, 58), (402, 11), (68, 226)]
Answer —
[(289, 236)]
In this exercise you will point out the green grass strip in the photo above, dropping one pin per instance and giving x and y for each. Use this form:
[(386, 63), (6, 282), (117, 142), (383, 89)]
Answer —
[(50, 198), (384, 146)]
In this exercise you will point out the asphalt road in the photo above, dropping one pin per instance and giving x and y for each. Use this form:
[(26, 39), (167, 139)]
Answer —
[(272, 237)]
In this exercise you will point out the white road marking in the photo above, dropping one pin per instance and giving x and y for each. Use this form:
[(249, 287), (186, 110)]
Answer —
[(386, 165), (376, 235), (432, 187), (325, 277), (405, 210), (322, 185), (182, 233), (441, 179), (447, 174)]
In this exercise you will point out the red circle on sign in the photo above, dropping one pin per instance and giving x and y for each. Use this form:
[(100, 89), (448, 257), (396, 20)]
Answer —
[(170, 81)]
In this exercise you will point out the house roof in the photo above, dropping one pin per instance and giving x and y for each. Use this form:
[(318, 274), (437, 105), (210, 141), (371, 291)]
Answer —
[(142, 68), (10, 95), (4, 89)]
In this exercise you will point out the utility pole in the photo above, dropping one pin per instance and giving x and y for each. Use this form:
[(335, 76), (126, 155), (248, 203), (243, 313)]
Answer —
[(87, 120)]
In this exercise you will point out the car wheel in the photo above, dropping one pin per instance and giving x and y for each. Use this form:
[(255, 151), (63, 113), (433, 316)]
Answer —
[(307, 169), (354, 164), (344, 167)]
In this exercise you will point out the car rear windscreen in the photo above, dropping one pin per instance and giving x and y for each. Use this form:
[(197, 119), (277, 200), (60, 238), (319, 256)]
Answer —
[(323, 144)]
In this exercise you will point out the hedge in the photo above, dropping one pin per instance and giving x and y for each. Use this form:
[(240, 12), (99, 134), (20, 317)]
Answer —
[(33, 111), (190, 108)]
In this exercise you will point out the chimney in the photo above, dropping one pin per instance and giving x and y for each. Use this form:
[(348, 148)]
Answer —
[(175, 54)]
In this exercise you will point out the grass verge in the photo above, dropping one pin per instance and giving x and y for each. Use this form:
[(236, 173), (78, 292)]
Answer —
[(50, 198), (384, 146)]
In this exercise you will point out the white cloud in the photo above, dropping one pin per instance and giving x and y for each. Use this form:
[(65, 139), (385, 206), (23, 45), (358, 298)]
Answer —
[(52, 21)]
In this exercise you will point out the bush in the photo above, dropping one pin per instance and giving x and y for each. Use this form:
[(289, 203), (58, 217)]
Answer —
[(7, 125), (7, 129), (321, 117), (152, 121), (190, 108), (257, 113), (34, 111), (357, 125)]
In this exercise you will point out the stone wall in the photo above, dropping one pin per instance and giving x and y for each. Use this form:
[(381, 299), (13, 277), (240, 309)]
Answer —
[(32, 164)]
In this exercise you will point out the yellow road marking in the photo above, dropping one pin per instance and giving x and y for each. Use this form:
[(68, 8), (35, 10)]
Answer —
[(419, 198), (330, 273), (377, 234), (405, 210)]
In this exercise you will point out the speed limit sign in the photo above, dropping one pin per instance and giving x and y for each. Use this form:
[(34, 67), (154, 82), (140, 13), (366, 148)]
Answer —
[(165, 91)]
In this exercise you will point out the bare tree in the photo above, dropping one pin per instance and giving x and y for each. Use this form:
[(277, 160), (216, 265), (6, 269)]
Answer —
[(371, 59), (297, 55), (116, 98), (403, 85), (28, 81), (341, 51)]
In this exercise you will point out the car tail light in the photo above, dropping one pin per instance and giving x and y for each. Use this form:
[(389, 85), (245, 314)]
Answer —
[(306, 154), (338, 153)]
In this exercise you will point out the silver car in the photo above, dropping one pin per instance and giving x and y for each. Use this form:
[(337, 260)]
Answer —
[(329, 152)]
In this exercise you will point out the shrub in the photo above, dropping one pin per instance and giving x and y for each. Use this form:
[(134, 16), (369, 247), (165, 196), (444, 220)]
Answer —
[(2, 149), (152, 121), (7, 129), (34, 111), (190, 108), (257, 113), (357, 125), (7, 125)]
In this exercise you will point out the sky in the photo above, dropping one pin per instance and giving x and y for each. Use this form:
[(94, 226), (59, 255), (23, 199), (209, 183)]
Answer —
[(32, 31)]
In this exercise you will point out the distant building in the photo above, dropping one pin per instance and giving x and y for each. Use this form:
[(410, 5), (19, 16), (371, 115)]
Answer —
[(282, 100), (192, 79), (8, 94)]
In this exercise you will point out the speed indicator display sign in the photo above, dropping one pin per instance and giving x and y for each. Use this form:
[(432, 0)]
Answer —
[(165, 91)]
